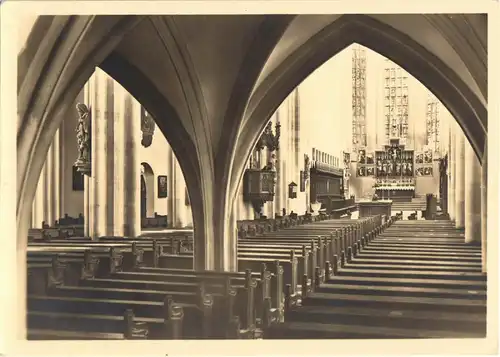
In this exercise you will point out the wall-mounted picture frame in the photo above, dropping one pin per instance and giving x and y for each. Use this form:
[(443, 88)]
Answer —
[(78, 180), (162, 186)]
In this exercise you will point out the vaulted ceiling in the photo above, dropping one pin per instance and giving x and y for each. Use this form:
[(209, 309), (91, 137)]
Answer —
[(209, 55)]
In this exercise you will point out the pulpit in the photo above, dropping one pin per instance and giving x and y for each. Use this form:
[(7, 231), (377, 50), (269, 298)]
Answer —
[(258, 187), (373, 208)]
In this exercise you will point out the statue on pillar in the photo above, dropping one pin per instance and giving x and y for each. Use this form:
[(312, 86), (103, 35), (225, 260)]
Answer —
[(148, 128), (307, 167), (83, 137)]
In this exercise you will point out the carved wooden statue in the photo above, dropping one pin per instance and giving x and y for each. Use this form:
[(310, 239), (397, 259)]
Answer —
[(307, 167), (147, 127), (83, 137), (268, 139)]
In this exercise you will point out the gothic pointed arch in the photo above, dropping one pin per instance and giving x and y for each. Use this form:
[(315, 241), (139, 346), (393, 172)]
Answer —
[(462, 102)]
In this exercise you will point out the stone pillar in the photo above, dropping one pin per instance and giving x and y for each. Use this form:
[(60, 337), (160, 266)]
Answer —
[(48, 213), (472, 196), (87, 180), (62, 162), (231, 240), (171, 202), (459, 180), (55, 182), (87, 206), (119, 159), (177, 209), (279, 196), (451, 172), (297, 155), (46, 204), (100, 86), (38, 203), (180, 197), (110, 153), (132, 168), (484, 205), (289, 141)]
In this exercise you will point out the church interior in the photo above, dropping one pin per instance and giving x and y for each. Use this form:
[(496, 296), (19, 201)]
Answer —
[(303, 177)]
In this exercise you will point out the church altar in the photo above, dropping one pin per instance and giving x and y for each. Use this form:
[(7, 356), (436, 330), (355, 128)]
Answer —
[(373, 208), (395, 173), (398, 191)]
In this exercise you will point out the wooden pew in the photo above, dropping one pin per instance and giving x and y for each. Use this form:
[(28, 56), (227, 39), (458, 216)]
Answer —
[(44, 325), (158, 253), (197, 305), (82, 262), (321, 248), (267, 287), (132, 253), (108, 293), (242, 305), (290, 236), (47, 234), (94, 316), (226, 323), (146, 251), (292, 268), (55, 286), (328, 248), (300, 267)]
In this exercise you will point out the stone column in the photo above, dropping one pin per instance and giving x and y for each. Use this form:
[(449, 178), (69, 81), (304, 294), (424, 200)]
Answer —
[(110, 153), (87, 206), (472, 196), (298, 157), (48, 214), (459, 180), (100, 86), (38, 203), (87, 180), (230, 259), (176, 196), (171, 202), (132, 169), (62, 157), (119, 159), (451, 172), (55, 186), (484, 205), (288, 142), (180, 198), (279, 196)]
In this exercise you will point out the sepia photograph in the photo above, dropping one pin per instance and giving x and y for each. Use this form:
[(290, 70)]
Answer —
[(188, 176)]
